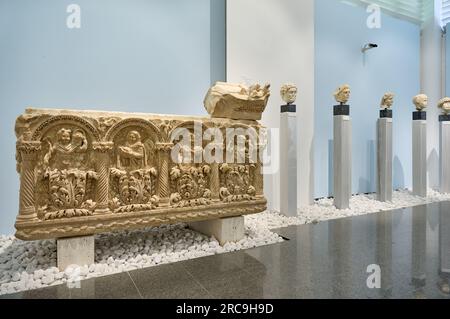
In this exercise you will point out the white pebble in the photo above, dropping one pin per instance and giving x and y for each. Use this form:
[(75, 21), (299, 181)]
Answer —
[(48, 279), (38, 274), (16, 277)]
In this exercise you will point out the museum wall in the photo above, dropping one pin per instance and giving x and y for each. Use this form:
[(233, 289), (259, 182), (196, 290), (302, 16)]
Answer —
[(341, 31), (273, 41), (150, 56)]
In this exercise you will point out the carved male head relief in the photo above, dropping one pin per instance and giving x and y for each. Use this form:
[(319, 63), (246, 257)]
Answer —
[(133, 137), (420, 101), (444, 105), (288, 93), (387, 100), (64, 136), (79, 138), (342, 94)]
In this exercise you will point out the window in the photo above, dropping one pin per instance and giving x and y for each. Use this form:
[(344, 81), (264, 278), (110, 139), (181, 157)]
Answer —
[(445, 13), (417, 11)]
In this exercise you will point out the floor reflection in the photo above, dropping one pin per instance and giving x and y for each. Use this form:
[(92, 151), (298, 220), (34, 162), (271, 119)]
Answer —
[(384, 252), (444, 251), (326, 260)]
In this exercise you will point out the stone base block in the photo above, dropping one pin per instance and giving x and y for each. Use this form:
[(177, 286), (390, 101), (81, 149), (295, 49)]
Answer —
[(78, 251), (224, 230)]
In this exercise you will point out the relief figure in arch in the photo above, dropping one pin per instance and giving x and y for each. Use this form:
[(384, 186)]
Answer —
[(66, 178), (132, 156), (68, 151)]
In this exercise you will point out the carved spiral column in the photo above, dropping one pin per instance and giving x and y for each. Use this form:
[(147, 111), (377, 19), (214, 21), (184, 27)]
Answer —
[(27, 152), (102, 161), (259, 179), (215, 175), (164, 150)]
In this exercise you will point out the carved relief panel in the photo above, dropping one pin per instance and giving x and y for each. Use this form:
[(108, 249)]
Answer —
[(134, 169), (86, 172), (238, 175), (190, 180), (66, 179)]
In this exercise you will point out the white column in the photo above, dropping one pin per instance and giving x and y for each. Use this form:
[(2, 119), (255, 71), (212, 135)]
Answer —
[(444, 141), (342, 161), (431, 85), (288, 164), (384, 159), (419, 142)]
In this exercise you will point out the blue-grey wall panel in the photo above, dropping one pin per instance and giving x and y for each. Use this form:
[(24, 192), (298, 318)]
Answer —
[(135, 55), (341, 31)]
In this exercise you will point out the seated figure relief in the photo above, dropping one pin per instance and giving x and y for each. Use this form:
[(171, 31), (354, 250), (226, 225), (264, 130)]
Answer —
[(133, 180), (132, 155)]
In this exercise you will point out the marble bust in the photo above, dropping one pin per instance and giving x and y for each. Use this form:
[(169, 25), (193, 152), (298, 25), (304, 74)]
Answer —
[(444, 105), (421, 102), (342, 94), (288, 93), (387, 101)]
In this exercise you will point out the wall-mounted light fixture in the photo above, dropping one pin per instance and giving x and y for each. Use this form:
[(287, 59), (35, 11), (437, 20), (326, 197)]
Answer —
[(369, 46)]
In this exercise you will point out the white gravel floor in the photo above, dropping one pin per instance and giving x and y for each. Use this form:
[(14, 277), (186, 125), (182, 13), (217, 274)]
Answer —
[(31, 265), (323, 209)]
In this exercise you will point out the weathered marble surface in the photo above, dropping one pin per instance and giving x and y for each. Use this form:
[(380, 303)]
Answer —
[(342, 94), (87, 172), (288, 93), (444, 105), (387, 100), (237, 101), (420, 102)]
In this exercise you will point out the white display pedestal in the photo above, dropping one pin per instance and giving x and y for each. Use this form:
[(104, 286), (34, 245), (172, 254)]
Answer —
[(342, 157), (444, 140), (288, 161), (224, 230), (78, 251), (419, 141), (384, 156)]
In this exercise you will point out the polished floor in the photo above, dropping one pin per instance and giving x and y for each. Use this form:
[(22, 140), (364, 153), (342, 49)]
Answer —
[(410, 248)]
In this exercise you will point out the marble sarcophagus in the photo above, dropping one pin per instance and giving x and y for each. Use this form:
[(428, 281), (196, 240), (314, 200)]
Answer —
[(87, 172)]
